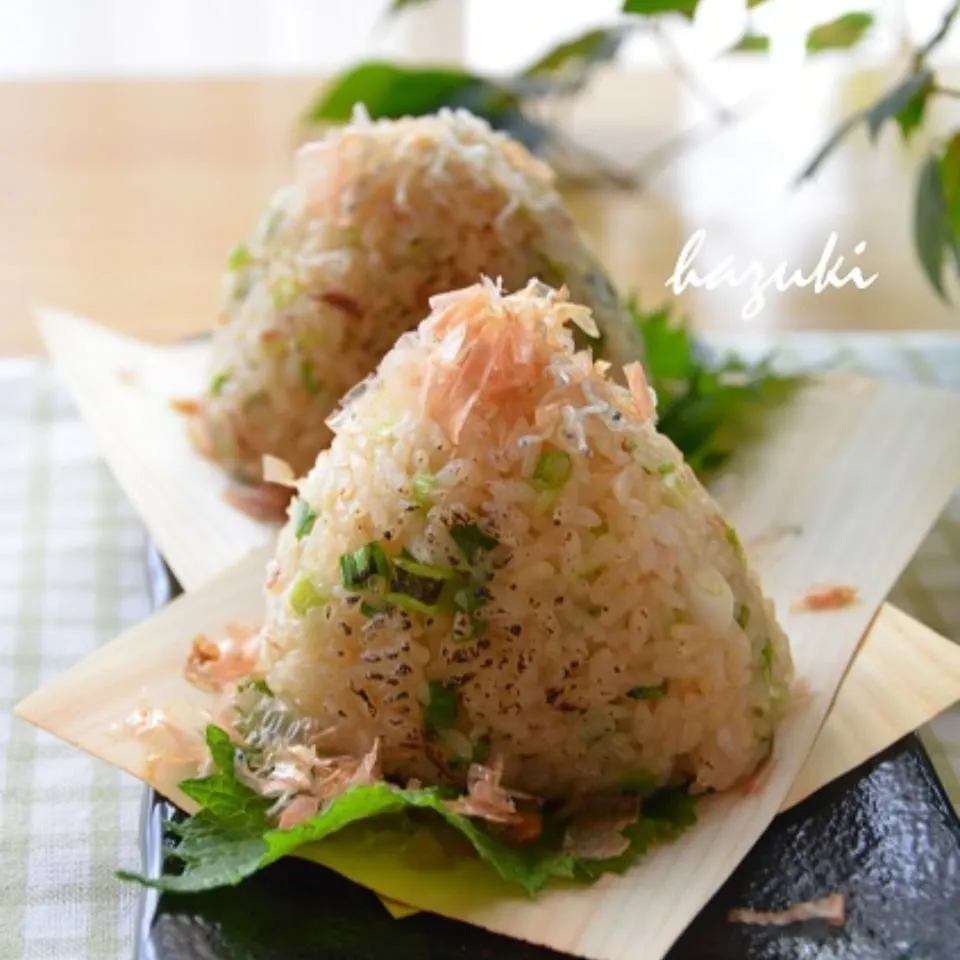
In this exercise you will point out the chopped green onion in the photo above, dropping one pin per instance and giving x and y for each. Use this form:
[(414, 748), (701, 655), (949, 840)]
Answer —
[(456, 764), (638, 782), (422, 486), (312, 339), (734, 542), (241, 286), (308, 378), (742, 615), (371, 610), (271, 222), (467, 627), (426, 571), (648, 693), (358, 567), (554, 273), (418, 586), (284, 291), (469, 600), (666, 468), (405, 602), (380, 560), (441, 710), (260, 685), (303, 517), (766, 661), (591, 573), (382, 431), (305, 596), (218, 382), (462, 629), (470, 539), (239, 259), (553, 470), (481, 750)]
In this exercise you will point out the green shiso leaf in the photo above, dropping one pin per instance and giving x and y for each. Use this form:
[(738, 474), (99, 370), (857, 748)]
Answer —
[(665, 816), (231, 837), (708, 407), (224, 842), (222, 796)]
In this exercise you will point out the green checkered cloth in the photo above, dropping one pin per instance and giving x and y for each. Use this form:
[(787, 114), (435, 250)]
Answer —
[(72, 575)]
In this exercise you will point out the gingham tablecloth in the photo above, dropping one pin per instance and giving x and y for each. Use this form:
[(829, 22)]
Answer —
[(72, 575)]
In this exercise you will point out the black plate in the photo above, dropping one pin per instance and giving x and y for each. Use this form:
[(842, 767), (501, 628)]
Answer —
[(885, 835)]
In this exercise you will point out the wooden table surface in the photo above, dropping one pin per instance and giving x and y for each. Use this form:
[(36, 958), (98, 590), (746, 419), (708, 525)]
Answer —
[(119, 200)]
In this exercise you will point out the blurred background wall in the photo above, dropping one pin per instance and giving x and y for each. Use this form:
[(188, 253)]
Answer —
[(141, 138), (97, 38)]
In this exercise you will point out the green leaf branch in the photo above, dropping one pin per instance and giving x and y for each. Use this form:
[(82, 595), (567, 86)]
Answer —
[(936, 223), (521, 105)]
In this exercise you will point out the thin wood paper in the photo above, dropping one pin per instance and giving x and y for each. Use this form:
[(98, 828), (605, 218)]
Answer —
[(123, 388), (860, 469)]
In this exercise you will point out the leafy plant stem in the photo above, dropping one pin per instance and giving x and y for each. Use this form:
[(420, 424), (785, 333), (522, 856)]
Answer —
[(938, 37), (687, 76), (672, 148), (597, 165)]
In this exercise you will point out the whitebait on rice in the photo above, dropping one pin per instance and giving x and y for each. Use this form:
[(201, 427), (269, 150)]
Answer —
[(381, 216)]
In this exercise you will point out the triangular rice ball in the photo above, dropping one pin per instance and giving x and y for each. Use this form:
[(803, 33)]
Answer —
[(500, 557)]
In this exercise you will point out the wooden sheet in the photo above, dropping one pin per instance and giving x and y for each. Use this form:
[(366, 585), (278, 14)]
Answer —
[(860, 469)]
